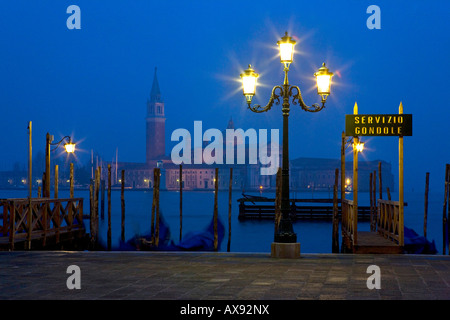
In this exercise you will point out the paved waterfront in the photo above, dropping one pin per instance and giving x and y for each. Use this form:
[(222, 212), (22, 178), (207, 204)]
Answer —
[(220, 276)]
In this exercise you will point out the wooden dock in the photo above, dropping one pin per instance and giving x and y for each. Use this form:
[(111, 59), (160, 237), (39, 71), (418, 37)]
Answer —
[(373, 242), (387, 230), (41, 223), (301, 209)]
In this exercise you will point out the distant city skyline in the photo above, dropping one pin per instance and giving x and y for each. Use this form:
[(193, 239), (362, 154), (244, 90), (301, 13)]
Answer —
[(93, 83)]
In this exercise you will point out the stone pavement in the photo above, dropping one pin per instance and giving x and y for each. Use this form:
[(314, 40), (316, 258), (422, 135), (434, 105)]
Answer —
[(42, 275)]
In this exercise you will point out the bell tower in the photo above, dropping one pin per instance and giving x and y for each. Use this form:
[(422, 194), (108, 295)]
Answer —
[(155, 124)]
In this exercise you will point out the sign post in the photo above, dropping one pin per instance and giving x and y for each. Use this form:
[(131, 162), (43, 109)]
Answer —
[(355, 181), (400, 181), (343, 167)]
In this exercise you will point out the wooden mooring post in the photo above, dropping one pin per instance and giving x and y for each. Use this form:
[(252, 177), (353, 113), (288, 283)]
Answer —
[(278, 201), (71, 180), (71, 186), (102, 195), (380, 181), (155, 206), (93, 189), (401, 184), (342, 166), (122, 202), (152, 223), (371, 203), (96, 198), (96, 192), (56, 181), (335, 238), (448, 206), (181, 201), (374, 217), (425, 213), (216, 191), (230, 188), (444, 213), (92, 214), (158, 174), (109, 207)]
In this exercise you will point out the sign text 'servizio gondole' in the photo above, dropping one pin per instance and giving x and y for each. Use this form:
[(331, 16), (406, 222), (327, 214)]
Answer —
[(378, 125)]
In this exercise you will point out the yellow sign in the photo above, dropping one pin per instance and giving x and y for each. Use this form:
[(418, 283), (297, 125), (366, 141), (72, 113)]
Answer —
[(378, 125)]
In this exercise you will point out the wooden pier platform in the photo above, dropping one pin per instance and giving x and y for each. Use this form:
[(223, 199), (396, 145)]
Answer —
[(301, 209), (370, 242)]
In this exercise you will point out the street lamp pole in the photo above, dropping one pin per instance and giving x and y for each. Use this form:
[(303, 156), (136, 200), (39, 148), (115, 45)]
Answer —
[(69, 147), (30, 159), (48, 141), (30, 183), (286, 91), (356, 145)]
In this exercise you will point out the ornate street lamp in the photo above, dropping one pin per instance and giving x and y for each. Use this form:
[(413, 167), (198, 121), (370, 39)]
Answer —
[(69, 146), (323, 76)]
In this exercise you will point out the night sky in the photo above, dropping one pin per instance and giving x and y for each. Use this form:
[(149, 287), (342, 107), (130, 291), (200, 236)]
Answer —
[(93, 83)]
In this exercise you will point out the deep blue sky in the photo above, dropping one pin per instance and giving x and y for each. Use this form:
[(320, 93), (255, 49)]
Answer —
[(93, 83)]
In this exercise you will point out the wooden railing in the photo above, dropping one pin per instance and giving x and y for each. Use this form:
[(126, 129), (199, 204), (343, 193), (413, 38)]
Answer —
[(389, 221), (349, 222), (49, 217)]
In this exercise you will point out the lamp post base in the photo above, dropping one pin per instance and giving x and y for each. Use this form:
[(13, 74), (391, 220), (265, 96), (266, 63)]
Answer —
[(285, 250)]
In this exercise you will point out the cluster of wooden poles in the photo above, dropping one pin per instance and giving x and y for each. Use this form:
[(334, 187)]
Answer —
[(71, 181), (94, 189), (446, 209), (155, 213), (215, 211), (97, 184)]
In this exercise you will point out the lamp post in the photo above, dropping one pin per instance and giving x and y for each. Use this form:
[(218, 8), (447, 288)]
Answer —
[(356, 145), (30, 168), (70, 148), (286, 91)]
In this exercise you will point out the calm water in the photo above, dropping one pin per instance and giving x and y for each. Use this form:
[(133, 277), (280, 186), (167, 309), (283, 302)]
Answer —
[(246, 236)]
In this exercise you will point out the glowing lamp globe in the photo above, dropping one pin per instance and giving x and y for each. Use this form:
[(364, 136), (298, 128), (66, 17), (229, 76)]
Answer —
[(70, 147), (359, 146), (249, 83), (286, 47), (323, 79)]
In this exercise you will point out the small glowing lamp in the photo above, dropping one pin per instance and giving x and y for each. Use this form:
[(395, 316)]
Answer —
[(286, 46), (359, 146), (249, 83), (70, 147), (323, 79)]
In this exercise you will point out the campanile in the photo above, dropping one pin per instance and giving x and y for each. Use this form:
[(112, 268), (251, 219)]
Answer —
[(155, 124)]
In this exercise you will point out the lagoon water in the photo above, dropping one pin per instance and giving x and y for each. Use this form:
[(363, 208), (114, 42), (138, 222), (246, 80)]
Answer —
[(246, 236)]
